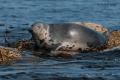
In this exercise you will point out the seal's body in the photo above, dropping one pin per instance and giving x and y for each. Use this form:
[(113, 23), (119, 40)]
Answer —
[(66, 36), (94, 26)]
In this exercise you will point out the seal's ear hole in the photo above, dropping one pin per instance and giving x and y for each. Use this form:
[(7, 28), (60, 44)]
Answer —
[(97, 26), (79, 49)]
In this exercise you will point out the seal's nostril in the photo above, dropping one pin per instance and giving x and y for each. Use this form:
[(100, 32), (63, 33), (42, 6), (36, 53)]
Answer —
[(29, 30)]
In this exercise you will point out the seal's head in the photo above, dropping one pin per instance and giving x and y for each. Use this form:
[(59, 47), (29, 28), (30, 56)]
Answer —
[(40, 30), (40, 33)]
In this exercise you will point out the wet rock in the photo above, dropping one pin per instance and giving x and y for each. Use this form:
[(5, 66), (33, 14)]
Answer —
[(23, 44), (8, 54), (113, 39), (64, 54)]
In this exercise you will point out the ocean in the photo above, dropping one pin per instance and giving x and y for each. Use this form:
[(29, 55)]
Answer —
[(19, 15)]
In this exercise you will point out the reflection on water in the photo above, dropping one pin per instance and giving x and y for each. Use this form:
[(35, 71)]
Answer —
[(17, 15)]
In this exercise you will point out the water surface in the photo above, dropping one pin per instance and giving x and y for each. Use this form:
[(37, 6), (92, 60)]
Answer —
[(17, 15)]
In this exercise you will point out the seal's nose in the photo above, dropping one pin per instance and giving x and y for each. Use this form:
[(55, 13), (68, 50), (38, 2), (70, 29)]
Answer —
[(30, 30)]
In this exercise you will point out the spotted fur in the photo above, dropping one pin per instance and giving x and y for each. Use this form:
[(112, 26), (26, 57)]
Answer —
[(64, 40)]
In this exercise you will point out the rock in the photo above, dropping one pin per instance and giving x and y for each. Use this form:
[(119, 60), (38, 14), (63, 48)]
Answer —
[(113, 39), (9, 54)]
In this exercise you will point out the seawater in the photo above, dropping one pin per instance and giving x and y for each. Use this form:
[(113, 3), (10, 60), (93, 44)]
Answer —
[(17, 15)]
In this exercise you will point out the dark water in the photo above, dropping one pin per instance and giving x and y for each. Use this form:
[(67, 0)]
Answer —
[(17, 15)]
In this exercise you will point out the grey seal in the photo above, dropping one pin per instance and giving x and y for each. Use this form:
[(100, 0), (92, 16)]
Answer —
[(66, 36)]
